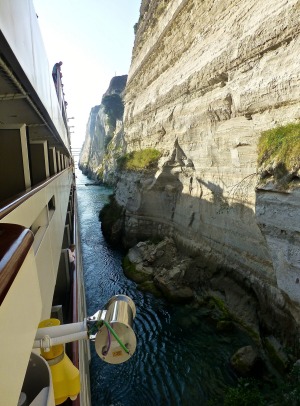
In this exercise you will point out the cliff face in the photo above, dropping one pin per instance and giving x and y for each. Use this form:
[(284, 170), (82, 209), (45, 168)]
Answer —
[(101, 128), (91, 153), (207, 77)]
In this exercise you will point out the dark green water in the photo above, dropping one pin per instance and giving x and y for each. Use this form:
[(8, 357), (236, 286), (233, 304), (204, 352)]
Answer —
[(180, 360)]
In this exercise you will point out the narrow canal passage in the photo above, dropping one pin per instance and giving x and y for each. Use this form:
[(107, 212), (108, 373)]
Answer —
[(181, 359)]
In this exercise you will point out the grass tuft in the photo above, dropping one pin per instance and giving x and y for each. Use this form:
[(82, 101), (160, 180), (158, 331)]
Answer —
[(280, 144), (139, 160)]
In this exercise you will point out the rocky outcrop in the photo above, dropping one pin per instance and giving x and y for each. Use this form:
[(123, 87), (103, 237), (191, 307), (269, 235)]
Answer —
[(229, 299), (161, 264), (112, 225), (246, 361), (96, 154)]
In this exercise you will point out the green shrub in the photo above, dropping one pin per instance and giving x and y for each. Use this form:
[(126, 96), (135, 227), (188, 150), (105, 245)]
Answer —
[(281, 144), (138, 160), (288, 393), (248, 393), (245, 394)]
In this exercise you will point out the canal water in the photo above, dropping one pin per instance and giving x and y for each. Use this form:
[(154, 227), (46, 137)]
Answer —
[(181, 359)]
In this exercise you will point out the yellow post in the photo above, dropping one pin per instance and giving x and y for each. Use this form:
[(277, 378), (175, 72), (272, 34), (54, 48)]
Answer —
[(65, 376)]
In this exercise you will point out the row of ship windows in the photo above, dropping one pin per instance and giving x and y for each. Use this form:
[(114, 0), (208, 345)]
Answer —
[(25, 164)]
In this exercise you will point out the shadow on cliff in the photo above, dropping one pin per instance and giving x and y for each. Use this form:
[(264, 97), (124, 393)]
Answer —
[(229, 252)]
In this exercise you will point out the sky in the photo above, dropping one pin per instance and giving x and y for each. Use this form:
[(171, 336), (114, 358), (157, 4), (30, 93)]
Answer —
[(94, 40)]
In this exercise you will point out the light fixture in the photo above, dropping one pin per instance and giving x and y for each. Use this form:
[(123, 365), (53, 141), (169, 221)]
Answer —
[(111, 329), (115, 341)]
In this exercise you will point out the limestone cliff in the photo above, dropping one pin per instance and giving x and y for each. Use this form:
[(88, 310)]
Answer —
[(206, 78), (104, 125)]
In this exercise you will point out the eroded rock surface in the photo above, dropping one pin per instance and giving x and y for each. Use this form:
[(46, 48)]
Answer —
[(206, 79), (227, 301), (245, 361), (164, 266)]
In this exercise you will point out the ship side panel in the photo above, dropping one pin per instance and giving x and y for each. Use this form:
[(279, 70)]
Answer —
[(45, 214), (20, 314)]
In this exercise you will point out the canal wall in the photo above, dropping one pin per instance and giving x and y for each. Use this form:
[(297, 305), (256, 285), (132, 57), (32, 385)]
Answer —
[(206, 79)]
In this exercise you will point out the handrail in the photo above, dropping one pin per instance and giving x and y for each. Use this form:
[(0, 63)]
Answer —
[(12, 204), (15, 242), (75, 345)]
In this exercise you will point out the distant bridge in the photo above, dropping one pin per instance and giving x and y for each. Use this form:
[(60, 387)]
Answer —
[(75, 151)]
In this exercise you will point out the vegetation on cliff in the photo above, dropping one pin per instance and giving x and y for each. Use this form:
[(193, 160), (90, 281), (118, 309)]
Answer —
[(280, 145), (139, 160), (250, 392), (246, 393), (279, 156)]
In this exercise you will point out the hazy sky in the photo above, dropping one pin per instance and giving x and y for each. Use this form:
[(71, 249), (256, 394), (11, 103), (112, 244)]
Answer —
[(94, 40)]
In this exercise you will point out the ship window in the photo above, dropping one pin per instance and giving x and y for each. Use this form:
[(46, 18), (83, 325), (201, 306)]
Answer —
[(51, 207), (39, 227), (51, 203)]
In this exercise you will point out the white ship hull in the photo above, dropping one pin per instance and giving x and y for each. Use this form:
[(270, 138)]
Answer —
[(37, 212)]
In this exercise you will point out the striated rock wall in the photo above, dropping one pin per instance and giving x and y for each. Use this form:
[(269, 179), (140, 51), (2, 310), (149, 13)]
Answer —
[(277, 214), (207, 77)]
